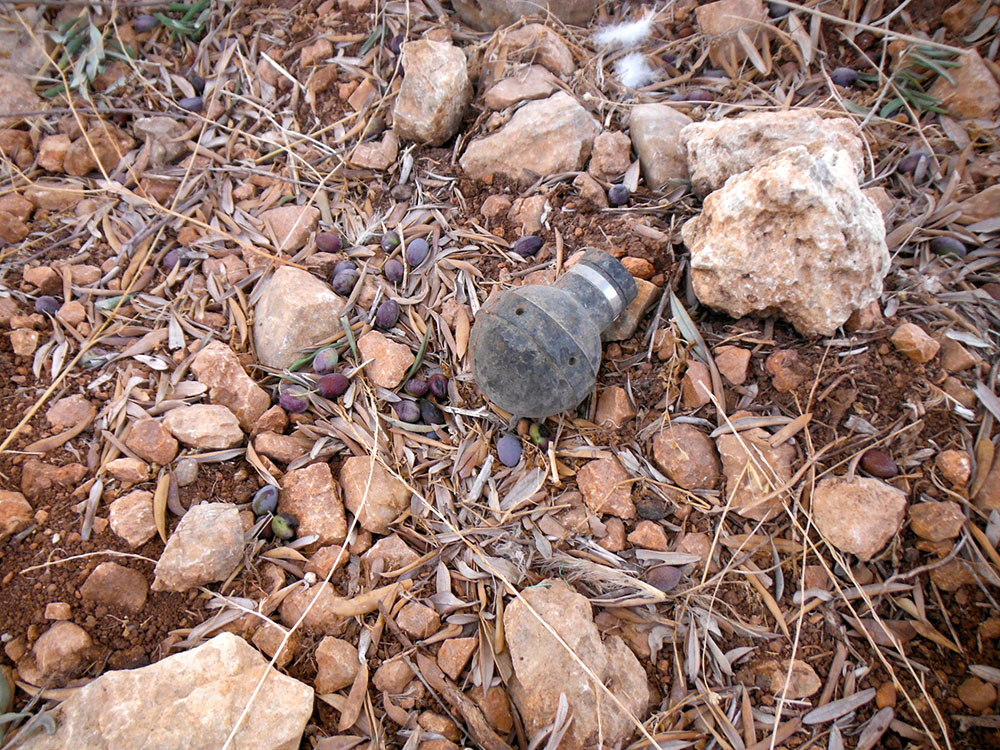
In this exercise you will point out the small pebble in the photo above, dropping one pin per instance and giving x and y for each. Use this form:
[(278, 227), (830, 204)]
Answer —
[(509, 450), (186, 472)]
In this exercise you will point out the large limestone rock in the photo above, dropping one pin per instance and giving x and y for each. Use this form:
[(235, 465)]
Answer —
[(543, 137), (218, 367), (718, 150), (372, 493), (295, 312), (311, 495), (435, 92), (487, 15), (858, 516), (204, 426), (188, 701), (544, 669), (804, 220), (206, 546), (656, 138)]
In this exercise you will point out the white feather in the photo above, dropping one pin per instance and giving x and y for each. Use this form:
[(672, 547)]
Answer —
[(629, 34), (634, 71)]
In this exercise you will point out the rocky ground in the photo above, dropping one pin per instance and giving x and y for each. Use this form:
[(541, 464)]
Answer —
[(253, 497)]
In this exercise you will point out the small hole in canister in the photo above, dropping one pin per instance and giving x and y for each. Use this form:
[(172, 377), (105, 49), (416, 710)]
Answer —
[(572, 361), (519, 311)]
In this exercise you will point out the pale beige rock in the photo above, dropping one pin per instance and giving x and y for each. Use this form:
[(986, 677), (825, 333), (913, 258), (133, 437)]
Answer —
[(204, 426), (977, 695), (54, 196), (434, 94), (337, 665), (606, 488), (722, 20), (656, 137), (805, 219), (316, 52), (311, 495), (217, 367), (611, 155), (495, 706), (543, 137), (24, 341), (12, 229), (52, 152), (688, 457), (647, 293), (379, 155), (282, 448), (527, 213), (858, 516), (975, 92), (322, 617), (15, 513), (100, 148), (231, 269), (198, 695), (937, 521), (18, 207), (132, 519), (696, 385), (116, 586), (955, 357), (881, 198), (152, 442), (537, 43), (295, 312), (868, 318), (733, 362), (372, 493), (162, 137), (128, 470), (613, 407), (70, 411), (958, 16), (42, 480), (271, 639), (45, 278), (440, 724), (545, 670), (393, 676), (955, 466), (418, 621), (206, 547), (787, 370), (532, 82), (62, 651), (17, 95), (487, 15), (388, 361), (290, 227), (494, 206), (649, 535), (614, 537), (640, 268), (72, 313), (58, 611), (914, 342), (718, 149), (455, 654), (590, 190), (753, 471), (275, 419), (792, 681), (388, 554)]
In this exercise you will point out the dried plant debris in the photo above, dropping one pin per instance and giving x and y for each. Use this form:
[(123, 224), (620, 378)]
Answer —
[(243, 248)]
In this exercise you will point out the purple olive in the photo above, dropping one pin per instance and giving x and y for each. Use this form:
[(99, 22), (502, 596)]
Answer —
[(946, 245), (175, 257), (527, 246), (328, 242), (145, 23), (678, 96), (344, 266), (294, 399), (265, 501), (396, 43), (197, 82), (344, 282), (191, 103), (417, 387), (47, 305), (663, 577), (387, 314), (438, 384), (332, 385), (539, 435), (618, 195), (509, 450), (390, 241), (407, 411), (393, 270), (844, 76), (879, 463), (778, 10), (913, 161), (430, 413), (669, 58), (417, 251), (325, 360), (284, 526)]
